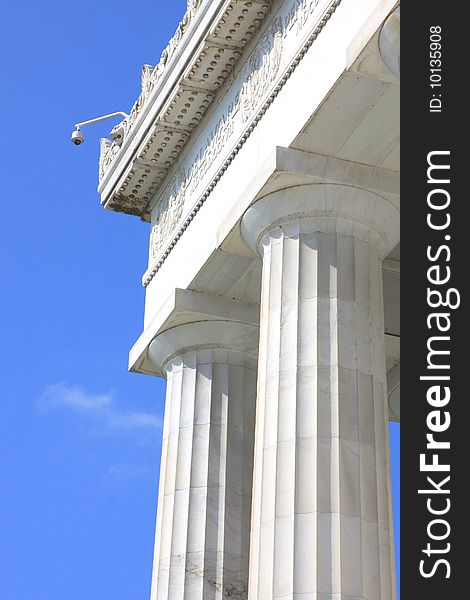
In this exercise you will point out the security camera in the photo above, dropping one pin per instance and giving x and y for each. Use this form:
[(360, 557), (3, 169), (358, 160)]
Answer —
[(77, 137)]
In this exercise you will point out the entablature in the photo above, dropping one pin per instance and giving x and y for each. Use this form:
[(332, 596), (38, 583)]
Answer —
[(175, 95)]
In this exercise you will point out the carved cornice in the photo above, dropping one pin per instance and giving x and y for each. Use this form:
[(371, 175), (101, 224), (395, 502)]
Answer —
[(232, 23), (149, 79), (263, 79), (140, 157)]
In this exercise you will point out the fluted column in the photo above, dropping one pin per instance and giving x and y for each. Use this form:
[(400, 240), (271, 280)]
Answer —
[(204, 500), (321, 522)]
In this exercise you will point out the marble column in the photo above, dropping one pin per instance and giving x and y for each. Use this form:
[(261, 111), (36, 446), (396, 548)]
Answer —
[(321, 515), (389, 42), (204, 499)]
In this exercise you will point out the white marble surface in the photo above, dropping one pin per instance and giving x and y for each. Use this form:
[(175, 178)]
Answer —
[(204, 505), (321, 525)]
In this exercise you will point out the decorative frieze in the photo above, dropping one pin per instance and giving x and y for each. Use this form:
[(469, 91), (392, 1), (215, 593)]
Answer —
[(170, 210), (213, 146), (299, 13), (262, 68), (133, 169), (228, 37), (259, 78)]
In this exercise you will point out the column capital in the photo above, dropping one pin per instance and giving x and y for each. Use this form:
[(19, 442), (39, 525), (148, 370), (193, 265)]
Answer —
[(325, 208), (389, 42), (236, 343)]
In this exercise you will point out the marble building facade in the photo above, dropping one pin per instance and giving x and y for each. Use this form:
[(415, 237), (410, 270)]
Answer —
[(263, 152)]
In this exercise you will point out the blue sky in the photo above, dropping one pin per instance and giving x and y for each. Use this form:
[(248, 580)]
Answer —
[(79, 435)]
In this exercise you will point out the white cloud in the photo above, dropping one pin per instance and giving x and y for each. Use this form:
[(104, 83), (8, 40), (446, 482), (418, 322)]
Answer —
[(101, 406), (134, 420), (75, 397)]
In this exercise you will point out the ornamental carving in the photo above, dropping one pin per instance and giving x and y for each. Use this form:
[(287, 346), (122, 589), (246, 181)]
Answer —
[(299, 13), (169, 212), (261, 70), (258, 78), (108, 150), (150, 77), (263, 66), (215, 142), (248, 94)]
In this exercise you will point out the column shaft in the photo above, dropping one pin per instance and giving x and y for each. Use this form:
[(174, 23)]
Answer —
[(321, 525), (204, 506)]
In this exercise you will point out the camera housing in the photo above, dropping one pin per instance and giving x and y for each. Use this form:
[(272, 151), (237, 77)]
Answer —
[(77, 137)]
